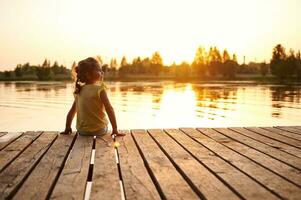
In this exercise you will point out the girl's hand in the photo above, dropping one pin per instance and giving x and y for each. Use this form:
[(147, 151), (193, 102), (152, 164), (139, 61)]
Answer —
[(68, 130), (117, 134)]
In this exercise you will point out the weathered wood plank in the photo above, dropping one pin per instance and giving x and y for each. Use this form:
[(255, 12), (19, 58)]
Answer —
[(8, 138), (265, 149), (265, 160), (14, 149), (284, 133), (105, 181), (197, 173), (296, 127), (2, 133), (14, 175), (225, 170), (268, 179), (137, 181), (268, 141), (292, 129), (170, 181), (276, 136), (41, 180), (72, 181)]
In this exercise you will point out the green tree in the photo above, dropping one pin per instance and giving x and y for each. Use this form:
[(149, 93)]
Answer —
[(226, 56), (183, 70), (146, 65), (215, 61), (298, 65), (290, 64), (46, 63), (156, 63), (124, 66), (44, 72), (277, 63), (56, 68), (113, 65), (264, 69), (137, 66), (199, 62), (8, 74), (18, 70)]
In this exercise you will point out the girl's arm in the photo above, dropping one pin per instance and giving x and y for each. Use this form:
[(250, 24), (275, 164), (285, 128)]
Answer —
[(110, 112), (69, 119)]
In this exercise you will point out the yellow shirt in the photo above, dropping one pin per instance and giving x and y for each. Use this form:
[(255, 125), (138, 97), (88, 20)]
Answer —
[(91, 114)]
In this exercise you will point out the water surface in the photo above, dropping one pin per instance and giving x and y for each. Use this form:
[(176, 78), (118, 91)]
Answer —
[(44, 105)]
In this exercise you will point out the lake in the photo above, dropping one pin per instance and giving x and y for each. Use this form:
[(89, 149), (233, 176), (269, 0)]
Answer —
[(44, 105)]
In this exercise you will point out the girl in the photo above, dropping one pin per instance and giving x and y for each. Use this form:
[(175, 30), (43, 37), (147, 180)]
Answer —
[(91, 101)]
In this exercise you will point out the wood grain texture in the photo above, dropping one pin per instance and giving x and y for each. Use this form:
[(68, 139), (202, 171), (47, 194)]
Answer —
[(268, 141), (276, 136), (2, 133), (171, 182), (137, 181), (41, 179), (105, 181), (201, 177), (15, 174), (227, 172), (10, 152), (72, 181), (283, 133), (264, 149), (276, 184), (8, 138), (292, 129), (186, 163)]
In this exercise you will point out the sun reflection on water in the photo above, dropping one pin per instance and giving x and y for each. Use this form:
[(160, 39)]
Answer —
[(44, 105)]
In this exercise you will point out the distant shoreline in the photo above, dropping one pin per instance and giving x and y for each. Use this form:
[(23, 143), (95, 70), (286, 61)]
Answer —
[(240, 77)]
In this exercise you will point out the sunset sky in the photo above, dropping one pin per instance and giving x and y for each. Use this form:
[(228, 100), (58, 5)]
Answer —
[(68, 30)]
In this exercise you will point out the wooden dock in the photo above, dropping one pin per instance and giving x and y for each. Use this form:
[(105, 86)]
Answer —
[(187, 163)]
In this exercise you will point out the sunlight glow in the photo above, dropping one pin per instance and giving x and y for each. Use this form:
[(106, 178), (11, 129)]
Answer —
[(68, 30)]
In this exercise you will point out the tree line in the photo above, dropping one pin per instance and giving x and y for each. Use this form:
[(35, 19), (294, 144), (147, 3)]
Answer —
[(212, 63), (46, 71)]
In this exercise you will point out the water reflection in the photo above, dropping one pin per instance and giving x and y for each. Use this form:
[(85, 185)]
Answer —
[(43, 105)]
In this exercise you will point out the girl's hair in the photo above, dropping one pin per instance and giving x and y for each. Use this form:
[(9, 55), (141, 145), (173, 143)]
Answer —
[(84, 66)]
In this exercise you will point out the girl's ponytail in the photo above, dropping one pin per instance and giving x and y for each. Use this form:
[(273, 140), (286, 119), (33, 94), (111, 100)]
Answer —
[(77, 85)]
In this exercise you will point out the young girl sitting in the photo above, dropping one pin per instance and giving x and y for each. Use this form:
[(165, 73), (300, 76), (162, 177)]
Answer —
[(91, 101)]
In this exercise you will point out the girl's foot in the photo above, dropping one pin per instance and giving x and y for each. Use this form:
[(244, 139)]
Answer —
[(118, 134)]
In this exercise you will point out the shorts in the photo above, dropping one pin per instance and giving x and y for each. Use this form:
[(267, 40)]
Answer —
[(100, 132)]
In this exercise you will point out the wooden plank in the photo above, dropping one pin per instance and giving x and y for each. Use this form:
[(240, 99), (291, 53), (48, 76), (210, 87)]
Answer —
[(43, 177), (284, 133), (275, 136), (14, 149), (137, 181), (197, 173), (268, 179), (242, 183), (297, 127), (268, 141), (15, 174), (8, 138), (169, 180), (292, 129), (72, 181), (105, 181), (265, 149), (2, 133), (262, 158)]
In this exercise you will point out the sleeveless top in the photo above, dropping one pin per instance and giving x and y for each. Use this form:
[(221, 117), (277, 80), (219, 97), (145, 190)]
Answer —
[(91, 115)]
